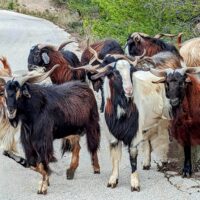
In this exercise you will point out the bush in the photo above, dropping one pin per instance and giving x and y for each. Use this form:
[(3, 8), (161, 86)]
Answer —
[(118, 18)]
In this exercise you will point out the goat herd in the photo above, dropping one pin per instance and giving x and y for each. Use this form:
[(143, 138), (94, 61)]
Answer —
[(149, 88)]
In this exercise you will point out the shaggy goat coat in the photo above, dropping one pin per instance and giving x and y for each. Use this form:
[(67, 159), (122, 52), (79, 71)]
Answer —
[(186, 123), (55, 112)]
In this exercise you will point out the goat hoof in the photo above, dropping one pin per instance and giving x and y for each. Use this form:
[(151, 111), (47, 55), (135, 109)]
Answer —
[(147, 167), (5, 153), (70, 174), (135, 189), (113, 185), (187, 171), (186, 175), (97, 171), (44, 192)]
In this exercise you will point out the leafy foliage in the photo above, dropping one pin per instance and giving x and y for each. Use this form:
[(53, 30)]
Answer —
[(118, 18)]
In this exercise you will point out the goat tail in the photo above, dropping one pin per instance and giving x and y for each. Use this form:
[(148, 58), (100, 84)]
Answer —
[(93, 133), (69, 142)]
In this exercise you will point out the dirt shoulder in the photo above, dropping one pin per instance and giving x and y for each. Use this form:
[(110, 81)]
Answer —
[(37, 5), (58, 14)]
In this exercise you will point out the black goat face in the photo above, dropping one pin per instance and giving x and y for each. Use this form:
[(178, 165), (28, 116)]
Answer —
[(37, 57), (12, 94), (175, 88), (132, 47)]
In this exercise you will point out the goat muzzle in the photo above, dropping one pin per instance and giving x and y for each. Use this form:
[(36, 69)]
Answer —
[(174, 102), (11, 113)]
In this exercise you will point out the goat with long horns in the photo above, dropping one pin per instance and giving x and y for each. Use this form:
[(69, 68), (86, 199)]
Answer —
[(47, 113)]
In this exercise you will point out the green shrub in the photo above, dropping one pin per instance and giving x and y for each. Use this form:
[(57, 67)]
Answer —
[(118, 18)]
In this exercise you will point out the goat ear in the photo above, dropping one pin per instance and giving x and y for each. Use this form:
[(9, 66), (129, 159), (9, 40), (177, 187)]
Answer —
[(45, 58), (162, 80), (137, 38), (25, 92), (2, 82)]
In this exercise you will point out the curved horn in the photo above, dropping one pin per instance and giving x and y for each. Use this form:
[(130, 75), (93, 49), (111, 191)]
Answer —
[(132, 60), (35, 76), (139, 34), (137, 58), (158, 73), (64, 44), (95, 54), (106, 67), (179, 37), (88, 67), (160, 35), (137, 37), (149, 59), (41, 46), (102, 71), (192, 70), (5, 79)]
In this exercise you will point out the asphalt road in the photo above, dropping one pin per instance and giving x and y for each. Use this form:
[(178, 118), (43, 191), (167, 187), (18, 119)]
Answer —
[(17, 34)]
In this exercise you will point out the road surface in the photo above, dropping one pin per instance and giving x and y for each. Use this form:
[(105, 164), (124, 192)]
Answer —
[(17, 34)]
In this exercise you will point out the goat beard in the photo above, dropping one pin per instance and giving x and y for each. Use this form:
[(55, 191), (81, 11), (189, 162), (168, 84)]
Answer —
[(14, 122)]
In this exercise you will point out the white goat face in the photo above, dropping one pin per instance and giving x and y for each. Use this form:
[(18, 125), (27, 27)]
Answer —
[(124, 69)]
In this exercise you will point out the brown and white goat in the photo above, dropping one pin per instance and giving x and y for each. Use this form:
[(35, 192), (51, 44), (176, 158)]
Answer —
[(183, 90), (7, 132)]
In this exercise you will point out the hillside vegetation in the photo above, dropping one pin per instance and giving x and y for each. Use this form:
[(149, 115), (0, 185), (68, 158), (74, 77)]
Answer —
[(118, 18)]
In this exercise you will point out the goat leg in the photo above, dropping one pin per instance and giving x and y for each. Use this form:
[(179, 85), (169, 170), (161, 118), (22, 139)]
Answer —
[(17, 159), (146, 146), (95, 163), (75, 148), (115, 152), (135, 182), (187, 169), (44, 183)]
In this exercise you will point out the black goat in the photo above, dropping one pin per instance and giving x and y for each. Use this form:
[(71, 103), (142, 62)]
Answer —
[(51, 112), (47, 56)]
